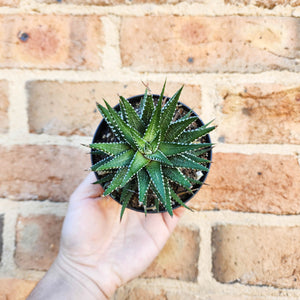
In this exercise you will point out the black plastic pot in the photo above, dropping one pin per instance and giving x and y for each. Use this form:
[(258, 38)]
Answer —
[(103, 129)]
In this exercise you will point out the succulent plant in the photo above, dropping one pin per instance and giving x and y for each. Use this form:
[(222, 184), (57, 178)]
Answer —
[(150, 152)]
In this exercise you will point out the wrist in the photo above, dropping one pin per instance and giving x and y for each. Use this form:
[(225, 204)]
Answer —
[(63, 282), (79, 281)]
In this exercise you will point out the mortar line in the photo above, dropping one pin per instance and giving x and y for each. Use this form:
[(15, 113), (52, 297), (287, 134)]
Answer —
[(226, 217), (111, 52), (34, 207), (17, 109), (76, 141), (187, 9), (124, 74), (216, 289), (8, 266), (205, 276), (208, 94)]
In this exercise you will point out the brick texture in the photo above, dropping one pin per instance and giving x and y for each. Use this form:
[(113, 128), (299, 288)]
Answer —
[(70, 108), (4, 104), (205, 44), (185, 295), (138, 292), (15, 289), (265, 183), (179, 257), (270, 4), (111, 2), (41, 172), (37, 241), (49, 41), (257, 255), (12, 3), (1, 237), (261, 114)]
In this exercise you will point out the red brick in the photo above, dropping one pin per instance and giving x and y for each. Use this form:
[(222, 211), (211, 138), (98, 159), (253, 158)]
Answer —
[(270, 4), (257, 255), (15, 289), (138, 292), (32, 172), (209, 44), (70, 108), (37, 241), (51, 42), (261, 114), (12, 3), (4, 103), (179, 257), (265, 183)]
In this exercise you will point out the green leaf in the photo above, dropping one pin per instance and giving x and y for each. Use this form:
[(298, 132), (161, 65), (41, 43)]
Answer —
[(138, 162), (176, 176), (143, 102), (154, 124), (155, 172), (196, 158), (122, 112), (104, 179), (110, 148), (168, 111), (184, 162), (123, 128), (155, 142), (192, 135), (139, 142), (132, 117), (199, 152), (151, 130), (119, 161), (148, 108), (178, 200), (126, 195), (158, 199), (143, 185), (110, 121), (192, 180), (177, 128), (159, 156), (172, 148), (98, 152), (100, 163), (116, 181), (209, 123), (186, 116), (161, 96), (156, 203), (166, 201), (168, 198)]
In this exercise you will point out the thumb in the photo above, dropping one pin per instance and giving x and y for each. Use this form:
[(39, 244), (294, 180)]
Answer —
[(87, 189)]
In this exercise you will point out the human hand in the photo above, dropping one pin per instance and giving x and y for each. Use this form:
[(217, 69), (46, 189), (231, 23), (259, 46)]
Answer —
[(103, 252)]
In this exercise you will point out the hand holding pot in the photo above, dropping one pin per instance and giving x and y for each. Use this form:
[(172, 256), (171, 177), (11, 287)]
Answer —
[(98, 253)]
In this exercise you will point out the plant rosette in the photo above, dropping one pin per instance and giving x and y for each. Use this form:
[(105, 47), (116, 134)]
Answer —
[(151, 153)]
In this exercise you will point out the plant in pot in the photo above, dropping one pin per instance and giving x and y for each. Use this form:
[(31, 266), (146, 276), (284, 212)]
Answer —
[(151, 153)]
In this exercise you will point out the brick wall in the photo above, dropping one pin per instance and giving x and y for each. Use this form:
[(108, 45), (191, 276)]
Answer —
[(239, 62)]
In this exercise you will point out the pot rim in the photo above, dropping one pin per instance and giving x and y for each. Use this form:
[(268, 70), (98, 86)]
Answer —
[(203, 178)]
